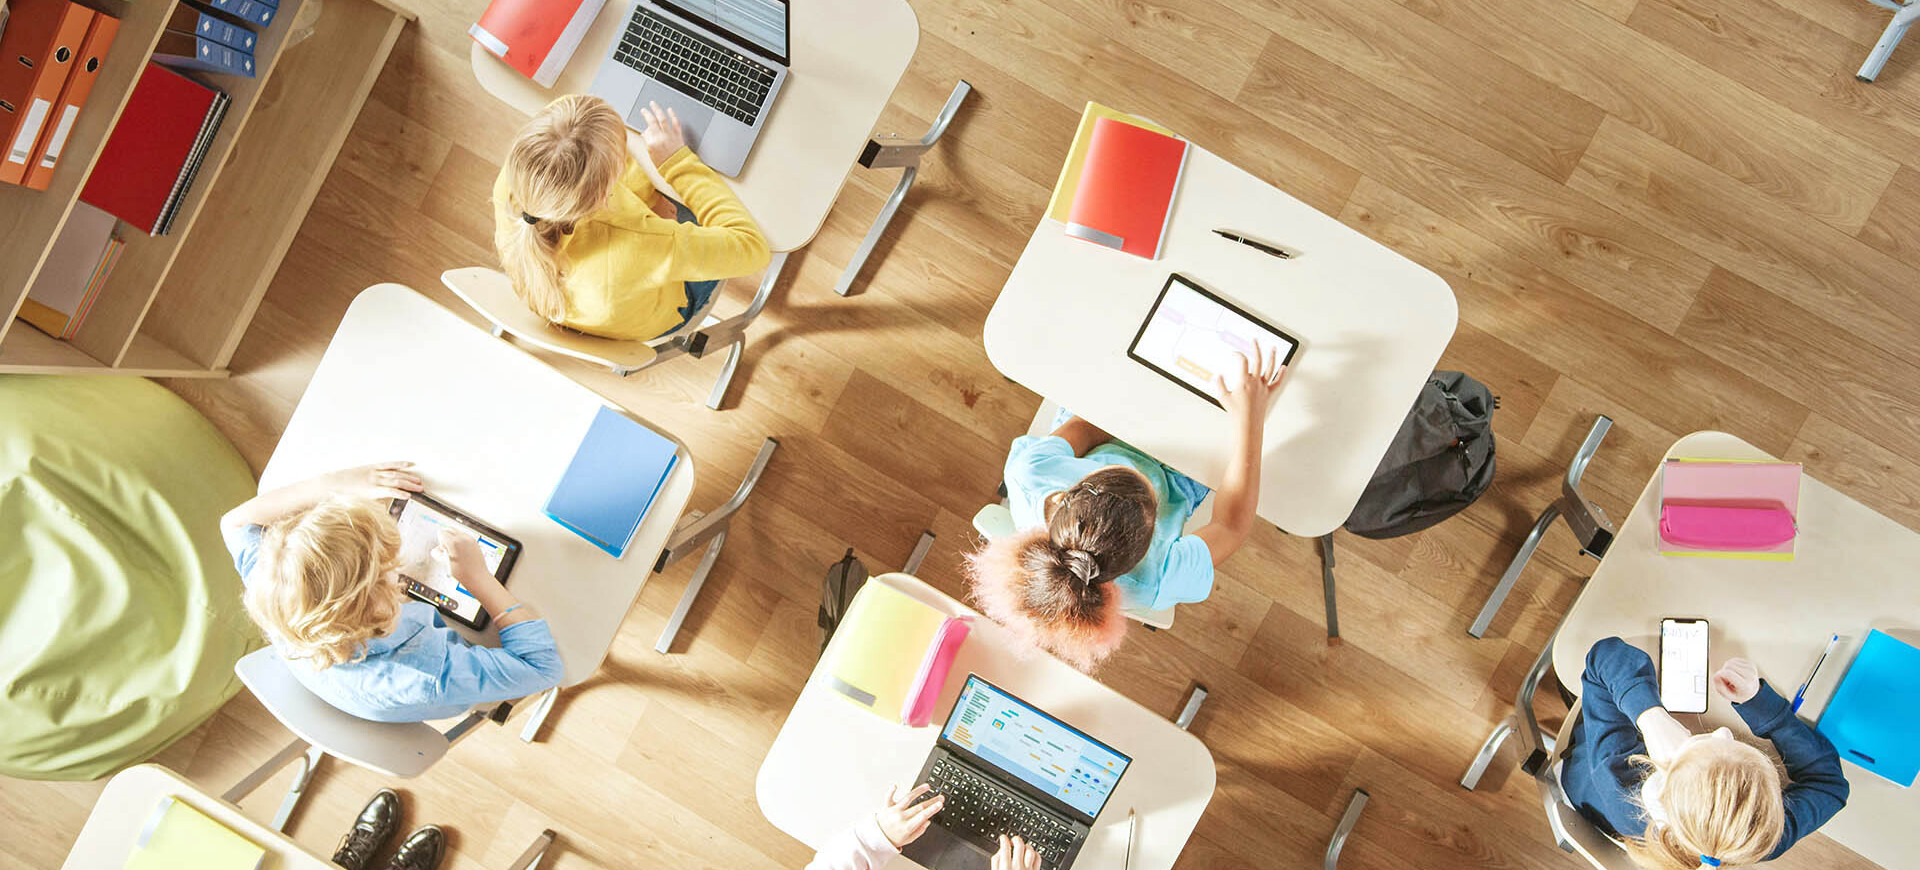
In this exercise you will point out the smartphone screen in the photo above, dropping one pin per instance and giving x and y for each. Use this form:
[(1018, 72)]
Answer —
[(1683, 665)]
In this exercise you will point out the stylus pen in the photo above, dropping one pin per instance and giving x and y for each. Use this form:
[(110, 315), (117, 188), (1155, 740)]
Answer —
[(1262, 247), (1131, 824), (1802, 694)]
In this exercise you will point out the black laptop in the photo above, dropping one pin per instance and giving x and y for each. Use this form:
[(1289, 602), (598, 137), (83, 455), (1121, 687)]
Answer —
[(1006, 767)]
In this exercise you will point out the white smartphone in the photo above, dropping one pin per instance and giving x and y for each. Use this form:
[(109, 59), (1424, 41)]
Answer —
[(1683, 665)]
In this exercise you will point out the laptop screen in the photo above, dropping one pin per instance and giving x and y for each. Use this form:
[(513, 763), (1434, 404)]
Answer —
[(1035, 748), (757, 22)]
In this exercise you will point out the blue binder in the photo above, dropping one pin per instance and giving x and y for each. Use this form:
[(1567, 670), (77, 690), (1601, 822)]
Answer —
[(256, 14), (1875, 712), (612, 480), (187, 51)]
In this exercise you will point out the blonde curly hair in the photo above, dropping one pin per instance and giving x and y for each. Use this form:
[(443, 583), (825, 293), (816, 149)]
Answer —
[(325, 581)]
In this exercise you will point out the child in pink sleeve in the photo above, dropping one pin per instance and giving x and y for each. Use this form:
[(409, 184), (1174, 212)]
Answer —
[(876, 839)]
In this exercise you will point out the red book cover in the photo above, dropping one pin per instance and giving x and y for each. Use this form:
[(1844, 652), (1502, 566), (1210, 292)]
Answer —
[(535, 37), (149, 147), (1126, 188)]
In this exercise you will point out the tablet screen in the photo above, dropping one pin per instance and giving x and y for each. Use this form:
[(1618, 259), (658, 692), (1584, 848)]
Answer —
[(1191, 335), (420, 526)]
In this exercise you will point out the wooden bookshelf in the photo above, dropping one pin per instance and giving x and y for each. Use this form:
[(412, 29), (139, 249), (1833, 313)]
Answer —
[(176, 305)]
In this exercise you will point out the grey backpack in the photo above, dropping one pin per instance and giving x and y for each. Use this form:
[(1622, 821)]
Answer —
[(1439, 462)]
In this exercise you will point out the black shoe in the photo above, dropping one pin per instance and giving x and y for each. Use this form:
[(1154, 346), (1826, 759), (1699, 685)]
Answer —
[(422, 850), (371, 831)]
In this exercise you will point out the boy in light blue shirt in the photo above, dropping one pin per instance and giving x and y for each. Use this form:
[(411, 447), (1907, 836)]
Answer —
[(1102, 527), (320, 560)]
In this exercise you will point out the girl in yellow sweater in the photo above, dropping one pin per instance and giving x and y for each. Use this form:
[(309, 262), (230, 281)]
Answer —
[(587, 241)]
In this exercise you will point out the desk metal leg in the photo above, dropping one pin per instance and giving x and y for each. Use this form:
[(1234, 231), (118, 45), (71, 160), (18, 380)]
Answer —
[(538, 716), (530, 859), (1340, 834), (919, 554), (1903, 18), (889, 152), (1192, 708), (710, 529), (308, 756), (1326, 585), (1512, 575)]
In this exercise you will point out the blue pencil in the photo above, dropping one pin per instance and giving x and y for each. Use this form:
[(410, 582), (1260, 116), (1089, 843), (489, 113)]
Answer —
[(1802, 694)]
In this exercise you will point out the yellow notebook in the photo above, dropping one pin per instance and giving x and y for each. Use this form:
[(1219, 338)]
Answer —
[(179, 837), (1061, 204), (879, 648)]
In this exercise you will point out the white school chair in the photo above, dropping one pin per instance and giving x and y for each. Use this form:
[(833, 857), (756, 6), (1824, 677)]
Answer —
[(490, 293), (398, 749)]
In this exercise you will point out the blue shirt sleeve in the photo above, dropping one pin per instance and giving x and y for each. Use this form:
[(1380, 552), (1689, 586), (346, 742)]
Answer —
[(1039, 463), (244, 544), (1816, 784), (1600, 780), (525, 663), (1187, 574)]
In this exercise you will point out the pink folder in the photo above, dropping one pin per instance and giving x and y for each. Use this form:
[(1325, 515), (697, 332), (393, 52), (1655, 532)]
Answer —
[(1729, 501)]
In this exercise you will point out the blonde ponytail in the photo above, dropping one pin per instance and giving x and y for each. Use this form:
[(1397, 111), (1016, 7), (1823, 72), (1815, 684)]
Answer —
[(559, 171), (1722, 803)]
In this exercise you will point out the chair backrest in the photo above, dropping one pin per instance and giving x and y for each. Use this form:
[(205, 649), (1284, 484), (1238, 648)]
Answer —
[(490, 293), (1571, 830), (395, 749)]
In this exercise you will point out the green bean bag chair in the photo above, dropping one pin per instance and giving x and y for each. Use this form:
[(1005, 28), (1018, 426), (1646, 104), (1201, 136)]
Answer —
[(120, 615)]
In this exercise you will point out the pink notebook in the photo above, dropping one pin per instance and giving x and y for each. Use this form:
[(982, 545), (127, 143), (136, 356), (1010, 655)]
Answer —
[(1729, 509)]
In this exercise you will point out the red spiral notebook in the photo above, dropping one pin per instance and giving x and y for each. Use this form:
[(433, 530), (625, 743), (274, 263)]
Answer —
[(1126, 188), (149, 162)]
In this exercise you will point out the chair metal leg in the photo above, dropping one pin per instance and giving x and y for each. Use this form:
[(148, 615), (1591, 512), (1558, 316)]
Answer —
[(538, 717), (1326, 584), (692, 592), (884, 153), (530, 859), (1192, 708), (1903, 18), (306, 754), (1487, 751), (919, 553), (1347, 820), (1512, 575), (720, 384)]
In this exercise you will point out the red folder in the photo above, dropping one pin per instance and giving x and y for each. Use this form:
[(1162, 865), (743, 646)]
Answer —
[(152, 149), (535, 37), (36, 53), (1126, 188), (86, 68)]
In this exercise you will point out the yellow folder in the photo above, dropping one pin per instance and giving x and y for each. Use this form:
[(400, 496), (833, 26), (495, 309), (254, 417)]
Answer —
[(179, 837), (879, 647), (1061, 204)]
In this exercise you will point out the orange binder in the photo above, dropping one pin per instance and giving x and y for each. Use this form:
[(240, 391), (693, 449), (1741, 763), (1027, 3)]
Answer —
[(86, 68), (36, 53)]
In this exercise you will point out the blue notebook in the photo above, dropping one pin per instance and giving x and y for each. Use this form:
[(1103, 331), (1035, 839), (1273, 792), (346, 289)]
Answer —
[(1876, 711), (612, 480)]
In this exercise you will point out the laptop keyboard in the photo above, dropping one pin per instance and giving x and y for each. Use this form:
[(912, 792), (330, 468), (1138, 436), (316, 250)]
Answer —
[(696, 65), (982, 808)]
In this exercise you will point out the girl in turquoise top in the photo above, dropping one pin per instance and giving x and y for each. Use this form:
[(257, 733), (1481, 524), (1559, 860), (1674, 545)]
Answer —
[(1102, 527)]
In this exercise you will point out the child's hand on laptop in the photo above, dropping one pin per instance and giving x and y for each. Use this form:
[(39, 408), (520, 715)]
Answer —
[(902, 821), (1015, 854), (663, 134)]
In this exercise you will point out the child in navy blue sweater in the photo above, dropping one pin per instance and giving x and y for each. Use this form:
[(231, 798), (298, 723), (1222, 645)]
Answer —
[(1681, 800)]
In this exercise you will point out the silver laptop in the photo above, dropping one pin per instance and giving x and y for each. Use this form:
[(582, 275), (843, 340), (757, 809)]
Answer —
[(717, 63)]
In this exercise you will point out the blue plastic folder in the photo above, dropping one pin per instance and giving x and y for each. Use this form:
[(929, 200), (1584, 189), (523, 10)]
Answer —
[(612, 480), (1875, 714)]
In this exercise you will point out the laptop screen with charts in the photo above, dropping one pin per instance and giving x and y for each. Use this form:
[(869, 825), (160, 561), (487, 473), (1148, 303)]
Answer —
[(755, 24), (1190, 335), (1003, 733)]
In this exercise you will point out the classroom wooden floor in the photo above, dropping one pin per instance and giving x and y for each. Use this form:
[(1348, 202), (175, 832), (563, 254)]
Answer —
[(1685, 214)]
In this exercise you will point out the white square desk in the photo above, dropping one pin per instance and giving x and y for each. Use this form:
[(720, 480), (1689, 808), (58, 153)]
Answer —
[(847, 57), (1853, 570), (833, 762), (1371, 325), (491, 429)]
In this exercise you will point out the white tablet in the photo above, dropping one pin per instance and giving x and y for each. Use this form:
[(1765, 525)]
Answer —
[(425, 571), (1190, 335)]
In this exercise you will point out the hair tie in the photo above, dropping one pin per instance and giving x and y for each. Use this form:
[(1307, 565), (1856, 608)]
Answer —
[(1709, 861), (1081, 564), (530, 219)]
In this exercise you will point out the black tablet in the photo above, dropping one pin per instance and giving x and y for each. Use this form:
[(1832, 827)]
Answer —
[(1190, 335), (427, 576)]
